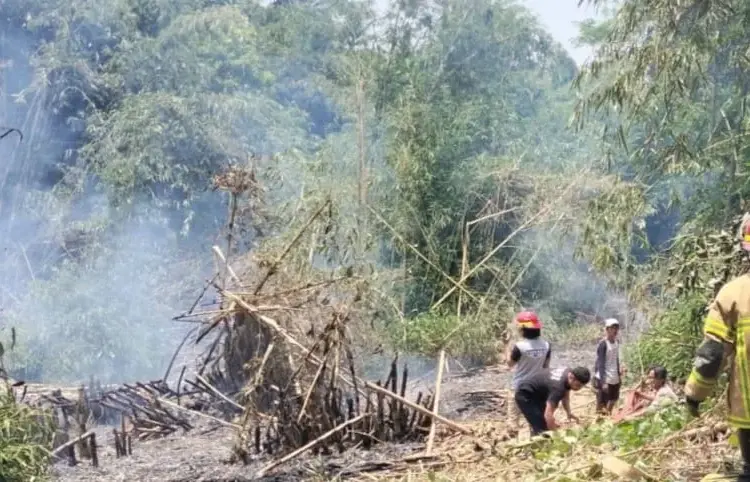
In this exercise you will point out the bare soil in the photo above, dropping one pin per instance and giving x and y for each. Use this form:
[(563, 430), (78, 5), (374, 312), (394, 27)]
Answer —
[(202, 454)]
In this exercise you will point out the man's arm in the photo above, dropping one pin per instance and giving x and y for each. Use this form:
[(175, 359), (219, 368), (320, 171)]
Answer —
[(566, 406), (556, 395), (513, 356), (549, 415), (601, 363), (718, 344)]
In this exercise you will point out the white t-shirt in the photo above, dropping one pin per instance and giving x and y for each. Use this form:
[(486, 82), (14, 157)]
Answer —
[(612, 368)]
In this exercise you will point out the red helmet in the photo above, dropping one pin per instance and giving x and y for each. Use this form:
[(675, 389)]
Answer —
[(528, 319)]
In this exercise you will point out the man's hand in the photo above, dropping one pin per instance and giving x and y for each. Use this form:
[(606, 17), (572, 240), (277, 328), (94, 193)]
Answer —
[(573, 418), (605, 387), (693, 407)]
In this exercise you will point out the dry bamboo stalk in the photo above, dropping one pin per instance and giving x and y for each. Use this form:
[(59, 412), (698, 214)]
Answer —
[(272, 269), (308, 446), (185, 409), (420, 409), (310, 390), (455, 283), (218, 393), (273, 324), (438, 381), (460, 282), (223, 259), (257, 379), (72, 443)]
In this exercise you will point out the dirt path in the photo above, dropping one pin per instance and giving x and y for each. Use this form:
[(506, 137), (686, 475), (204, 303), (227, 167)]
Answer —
[(202, 454)]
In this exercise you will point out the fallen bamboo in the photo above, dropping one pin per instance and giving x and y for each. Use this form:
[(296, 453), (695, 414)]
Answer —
[(456, 284), (438, 380), (219, 394), (72, 443), (308, 446), (422, 410), (204, 415)]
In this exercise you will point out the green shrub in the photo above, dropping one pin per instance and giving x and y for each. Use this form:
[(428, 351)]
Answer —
[(471, 336), (672, 339), (25, 441)]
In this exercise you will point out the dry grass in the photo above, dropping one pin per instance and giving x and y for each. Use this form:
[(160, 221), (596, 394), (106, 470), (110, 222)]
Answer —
[(686, 454)]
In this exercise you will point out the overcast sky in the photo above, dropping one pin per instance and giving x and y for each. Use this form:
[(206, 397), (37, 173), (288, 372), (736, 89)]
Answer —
[(560, 17)]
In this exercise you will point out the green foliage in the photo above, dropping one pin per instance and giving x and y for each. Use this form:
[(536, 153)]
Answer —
[(468, 336), (604, 438), (25, 440), (456, 121), (26, 433), (434, 118), (699, 263), (632, 434), (669, 77), (672, 338)]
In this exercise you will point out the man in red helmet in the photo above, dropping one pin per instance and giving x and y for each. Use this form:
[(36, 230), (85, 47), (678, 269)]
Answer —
[(527, 357)]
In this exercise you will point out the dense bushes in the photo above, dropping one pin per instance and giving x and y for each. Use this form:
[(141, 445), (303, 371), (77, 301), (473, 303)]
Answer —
[(25, 440), (672, 338)]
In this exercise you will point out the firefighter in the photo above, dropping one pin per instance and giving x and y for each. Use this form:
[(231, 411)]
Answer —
[(726, 334)]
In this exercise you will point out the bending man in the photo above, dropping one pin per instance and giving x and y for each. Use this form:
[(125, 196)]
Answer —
[(539, 396)]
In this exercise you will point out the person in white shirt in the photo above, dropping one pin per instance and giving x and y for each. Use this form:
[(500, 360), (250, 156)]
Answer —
[(527, 358), (607, 370)]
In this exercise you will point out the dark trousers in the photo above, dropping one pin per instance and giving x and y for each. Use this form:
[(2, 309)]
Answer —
[(743, 437), (532, 410), (612, 395)]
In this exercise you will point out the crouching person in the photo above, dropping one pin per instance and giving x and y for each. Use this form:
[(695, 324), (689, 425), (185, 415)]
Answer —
[(655, 396), (539, 396)]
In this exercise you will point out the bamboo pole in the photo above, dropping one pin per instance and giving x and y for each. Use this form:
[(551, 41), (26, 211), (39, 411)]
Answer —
[(438, 381), (308, 446), (420, 409)]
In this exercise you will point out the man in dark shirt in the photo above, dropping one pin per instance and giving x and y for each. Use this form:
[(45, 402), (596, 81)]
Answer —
[(539, 396)]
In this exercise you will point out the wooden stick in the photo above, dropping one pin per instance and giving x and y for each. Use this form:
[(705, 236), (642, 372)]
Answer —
[(220, 255), (420, 409), (92, 450), (438, 380), (310, 445), (219, 394), (72, 443), (185, 409)]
